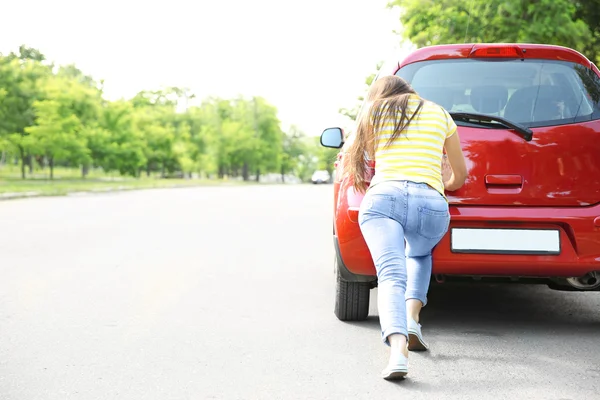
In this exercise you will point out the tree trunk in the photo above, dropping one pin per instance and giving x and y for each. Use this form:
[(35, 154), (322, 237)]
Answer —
[(30, 164), (282, 174), (257, 175), (245, 172), (3, 158), (51, 164), (22, 154), (85, 169), (221, 172), (148, 169), (40, 161)]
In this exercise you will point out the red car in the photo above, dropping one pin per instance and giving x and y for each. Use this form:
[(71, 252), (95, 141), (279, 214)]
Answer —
[(528, 117)]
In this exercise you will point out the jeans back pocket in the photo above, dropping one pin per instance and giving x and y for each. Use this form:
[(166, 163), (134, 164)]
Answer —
[(433, 224)]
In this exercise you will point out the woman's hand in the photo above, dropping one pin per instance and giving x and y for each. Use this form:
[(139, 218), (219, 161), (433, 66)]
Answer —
[(446, 170)]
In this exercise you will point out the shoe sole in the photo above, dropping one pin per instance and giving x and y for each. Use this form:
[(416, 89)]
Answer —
[(395, 375), (415, 343)]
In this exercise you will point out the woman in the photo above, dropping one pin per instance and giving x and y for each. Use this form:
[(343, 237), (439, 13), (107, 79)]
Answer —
[(404, 213)]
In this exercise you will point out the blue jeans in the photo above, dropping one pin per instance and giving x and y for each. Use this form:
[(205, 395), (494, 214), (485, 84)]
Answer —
[(402, 222)]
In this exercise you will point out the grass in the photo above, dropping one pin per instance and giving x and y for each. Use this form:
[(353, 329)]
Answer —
[(69, 181)]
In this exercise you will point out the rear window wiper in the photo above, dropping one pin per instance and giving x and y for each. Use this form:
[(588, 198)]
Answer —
[(525, 132)]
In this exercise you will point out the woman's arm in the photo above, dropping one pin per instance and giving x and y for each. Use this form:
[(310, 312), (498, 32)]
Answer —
[(455, 172)]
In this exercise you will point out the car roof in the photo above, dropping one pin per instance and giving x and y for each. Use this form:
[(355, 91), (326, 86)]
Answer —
[(454, 51)]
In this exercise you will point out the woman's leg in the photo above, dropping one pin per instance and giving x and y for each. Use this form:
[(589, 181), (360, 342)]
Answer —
[(381, 218), (385, 239), (418, 278), (413, 309), (427, 223)]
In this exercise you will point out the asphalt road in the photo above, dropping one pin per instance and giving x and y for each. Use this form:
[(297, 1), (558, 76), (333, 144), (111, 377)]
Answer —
[(227, 293)]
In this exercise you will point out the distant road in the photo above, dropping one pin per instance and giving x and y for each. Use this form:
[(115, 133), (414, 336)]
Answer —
[(227, 293)]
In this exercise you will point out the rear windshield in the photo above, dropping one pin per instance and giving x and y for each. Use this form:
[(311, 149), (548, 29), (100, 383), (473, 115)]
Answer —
[(532, 92)]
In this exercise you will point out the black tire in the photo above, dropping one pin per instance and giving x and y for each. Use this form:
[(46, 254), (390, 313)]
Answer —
[(351, 299)]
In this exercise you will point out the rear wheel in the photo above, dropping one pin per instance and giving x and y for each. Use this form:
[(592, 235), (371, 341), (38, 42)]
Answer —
[(351, 299)]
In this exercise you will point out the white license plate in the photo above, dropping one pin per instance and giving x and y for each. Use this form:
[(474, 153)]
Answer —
[(505, 241)]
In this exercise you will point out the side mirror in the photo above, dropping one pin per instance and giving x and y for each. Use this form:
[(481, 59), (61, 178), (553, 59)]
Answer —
[(332, 137)]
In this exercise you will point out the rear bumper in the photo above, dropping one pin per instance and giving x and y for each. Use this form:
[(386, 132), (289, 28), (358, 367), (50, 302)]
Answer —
[(579, 235)]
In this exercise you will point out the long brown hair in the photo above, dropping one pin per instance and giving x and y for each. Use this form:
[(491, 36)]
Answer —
[(388, 96)]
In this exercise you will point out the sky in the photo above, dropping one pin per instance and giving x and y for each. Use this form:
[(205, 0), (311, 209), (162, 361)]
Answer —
[(308, 58)]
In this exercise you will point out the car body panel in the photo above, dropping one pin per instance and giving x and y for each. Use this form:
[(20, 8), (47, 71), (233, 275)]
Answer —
[(546, 173)]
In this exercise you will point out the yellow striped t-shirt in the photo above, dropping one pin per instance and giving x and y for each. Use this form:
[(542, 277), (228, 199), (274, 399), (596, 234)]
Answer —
[(415, 155)]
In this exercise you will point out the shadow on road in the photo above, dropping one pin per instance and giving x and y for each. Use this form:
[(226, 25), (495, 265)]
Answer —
[(496, 310), (484, 332)]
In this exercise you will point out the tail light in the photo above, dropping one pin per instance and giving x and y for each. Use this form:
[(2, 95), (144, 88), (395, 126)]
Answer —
[(496, 51)]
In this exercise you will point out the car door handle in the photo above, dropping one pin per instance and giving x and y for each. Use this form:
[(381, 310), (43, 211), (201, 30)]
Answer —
[(504, 180)]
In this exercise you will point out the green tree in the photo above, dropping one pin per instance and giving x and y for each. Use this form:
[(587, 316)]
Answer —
[(431, 22), (325, 156), (589, 11), (172, 131), (20, 79), (59, 116), (269, 135), (307, 164), (243, 136), (72, 72), (56, 135), (69, 109), (28, 53), (294, 145), (115, 144)]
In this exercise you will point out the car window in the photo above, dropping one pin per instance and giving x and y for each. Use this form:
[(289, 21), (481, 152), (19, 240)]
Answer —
[(531, 92)]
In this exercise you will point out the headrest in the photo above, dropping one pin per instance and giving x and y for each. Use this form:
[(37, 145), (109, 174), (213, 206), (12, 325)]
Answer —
[(489, 99), (535, 103)]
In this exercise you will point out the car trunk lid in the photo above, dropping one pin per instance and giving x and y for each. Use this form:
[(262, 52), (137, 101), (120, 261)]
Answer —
[(560, 166)]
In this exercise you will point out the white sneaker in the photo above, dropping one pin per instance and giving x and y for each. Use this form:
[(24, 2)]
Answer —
[(397, 367), (415, 337)]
